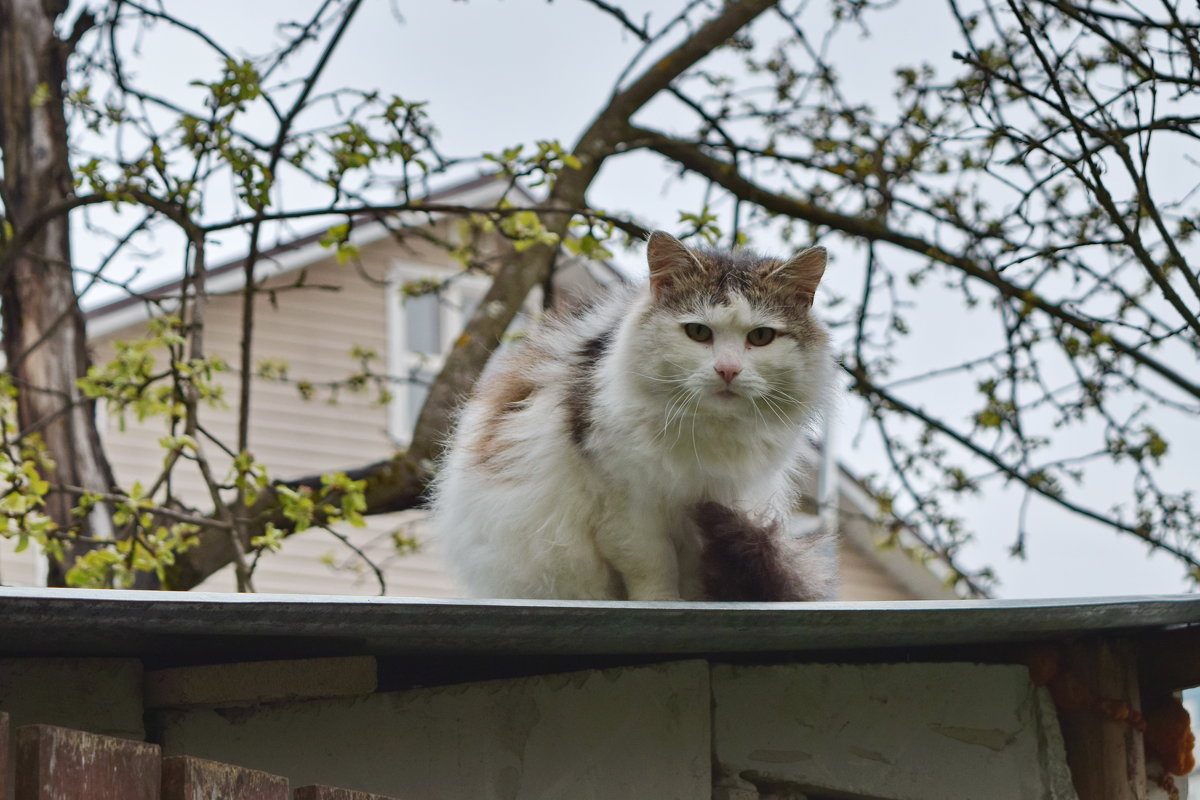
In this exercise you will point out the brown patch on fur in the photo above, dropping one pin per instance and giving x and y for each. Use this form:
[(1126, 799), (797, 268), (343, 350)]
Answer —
[(743, 561), (583, 386), (503, 395)]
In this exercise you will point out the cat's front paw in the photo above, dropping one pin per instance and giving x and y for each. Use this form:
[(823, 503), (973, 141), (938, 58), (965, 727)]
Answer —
[(649, 589), (657, 596)]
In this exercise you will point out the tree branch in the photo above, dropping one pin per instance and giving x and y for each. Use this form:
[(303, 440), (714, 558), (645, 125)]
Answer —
[(693, 158)]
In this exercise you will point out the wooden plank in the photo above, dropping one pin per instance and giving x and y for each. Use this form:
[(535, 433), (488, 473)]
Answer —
[(188, 778), (4, 765), (62, 764), (330, 793), (1170, 660), (250, 683), (1099, 710)]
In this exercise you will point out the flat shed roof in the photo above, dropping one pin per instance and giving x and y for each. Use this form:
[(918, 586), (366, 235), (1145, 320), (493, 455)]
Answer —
[(168, 628)]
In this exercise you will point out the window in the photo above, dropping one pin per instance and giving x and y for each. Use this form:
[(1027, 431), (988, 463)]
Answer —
[(468, 299), (421, 328), (423, 323)]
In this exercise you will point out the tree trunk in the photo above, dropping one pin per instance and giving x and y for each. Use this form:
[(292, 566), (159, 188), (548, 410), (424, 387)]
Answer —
[(44, 337)]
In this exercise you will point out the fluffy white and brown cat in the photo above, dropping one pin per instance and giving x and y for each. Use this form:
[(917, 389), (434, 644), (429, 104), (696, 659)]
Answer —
[(647, 448)]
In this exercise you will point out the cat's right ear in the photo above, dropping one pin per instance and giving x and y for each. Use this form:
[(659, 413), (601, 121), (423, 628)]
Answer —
[(669, 262), (800, 276)]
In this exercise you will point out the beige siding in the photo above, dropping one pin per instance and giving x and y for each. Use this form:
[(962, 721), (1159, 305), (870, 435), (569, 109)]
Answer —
[(18, 569), (861, 571), (863, 579), (314, 562), (314, 331)]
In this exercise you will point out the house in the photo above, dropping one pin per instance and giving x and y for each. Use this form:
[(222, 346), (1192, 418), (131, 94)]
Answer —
[(313, 331), (524, 700), (432, 696)]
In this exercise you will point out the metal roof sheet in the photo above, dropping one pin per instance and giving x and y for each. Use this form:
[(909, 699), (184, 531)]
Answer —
[(221, 627)]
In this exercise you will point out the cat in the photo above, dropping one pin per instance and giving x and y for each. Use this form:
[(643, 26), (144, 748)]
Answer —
[(646, 448)]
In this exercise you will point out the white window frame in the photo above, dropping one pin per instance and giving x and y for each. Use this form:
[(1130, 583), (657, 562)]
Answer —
[(401, 361)]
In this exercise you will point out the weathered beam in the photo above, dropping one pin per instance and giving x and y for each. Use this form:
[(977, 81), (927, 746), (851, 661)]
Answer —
[(62, 764), (330, 793), (4, 765), (1099, 710), (188, 778), (1170, 660), (253, 682)]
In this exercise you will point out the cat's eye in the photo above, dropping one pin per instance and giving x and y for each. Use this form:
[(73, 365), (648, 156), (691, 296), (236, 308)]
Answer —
[(761, 336), (697, 332)]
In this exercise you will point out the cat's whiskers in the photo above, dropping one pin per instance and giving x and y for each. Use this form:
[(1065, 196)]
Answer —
[(695, 448), (683, 413), (775, 390), (660, 379), (790, 399), (674, 409), (758, 417), (774, 408)]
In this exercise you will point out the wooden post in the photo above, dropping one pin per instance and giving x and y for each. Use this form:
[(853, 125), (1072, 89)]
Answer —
[(62, 764), (1099, 709), (1170, 660), (330, 793), (188, 778)]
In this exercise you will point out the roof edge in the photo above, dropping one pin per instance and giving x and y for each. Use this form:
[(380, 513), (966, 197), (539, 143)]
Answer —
[(295, 254)]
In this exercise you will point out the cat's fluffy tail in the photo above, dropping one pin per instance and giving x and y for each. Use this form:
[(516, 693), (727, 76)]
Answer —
[(745, 561)]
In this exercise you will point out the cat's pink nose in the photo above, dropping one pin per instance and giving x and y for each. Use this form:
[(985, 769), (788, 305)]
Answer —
[(728, 371)]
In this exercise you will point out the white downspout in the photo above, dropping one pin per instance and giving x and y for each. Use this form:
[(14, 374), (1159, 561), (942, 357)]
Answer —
[(828, 495)]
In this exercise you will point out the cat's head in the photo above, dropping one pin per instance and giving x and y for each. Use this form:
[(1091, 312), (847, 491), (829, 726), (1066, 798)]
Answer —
[(730, 333)]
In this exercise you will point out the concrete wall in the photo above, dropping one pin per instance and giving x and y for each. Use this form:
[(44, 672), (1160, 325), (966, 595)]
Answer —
[(594, 735), (678, 730), (99, 695), (895, 731)]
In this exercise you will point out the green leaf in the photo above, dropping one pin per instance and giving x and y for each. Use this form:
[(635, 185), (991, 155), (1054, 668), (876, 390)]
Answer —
[(41, 95)]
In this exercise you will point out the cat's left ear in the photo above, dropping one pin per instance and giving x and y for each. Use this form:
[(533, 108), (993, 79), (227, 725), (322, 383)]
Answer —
[(801, 274)]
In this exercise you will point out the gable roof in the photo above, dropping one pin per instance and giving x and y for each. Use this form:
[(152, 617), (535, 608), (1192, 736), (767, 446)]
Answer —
[(305, 250)]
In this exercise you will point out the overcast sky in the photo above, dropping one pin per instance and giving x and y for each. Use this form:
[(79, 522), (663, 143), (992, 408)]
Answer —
[(501, 73)]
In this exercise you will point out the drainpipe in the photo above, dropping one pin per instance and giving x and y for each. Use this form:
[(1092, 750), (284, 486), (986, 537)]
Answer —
[(827, 490)]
